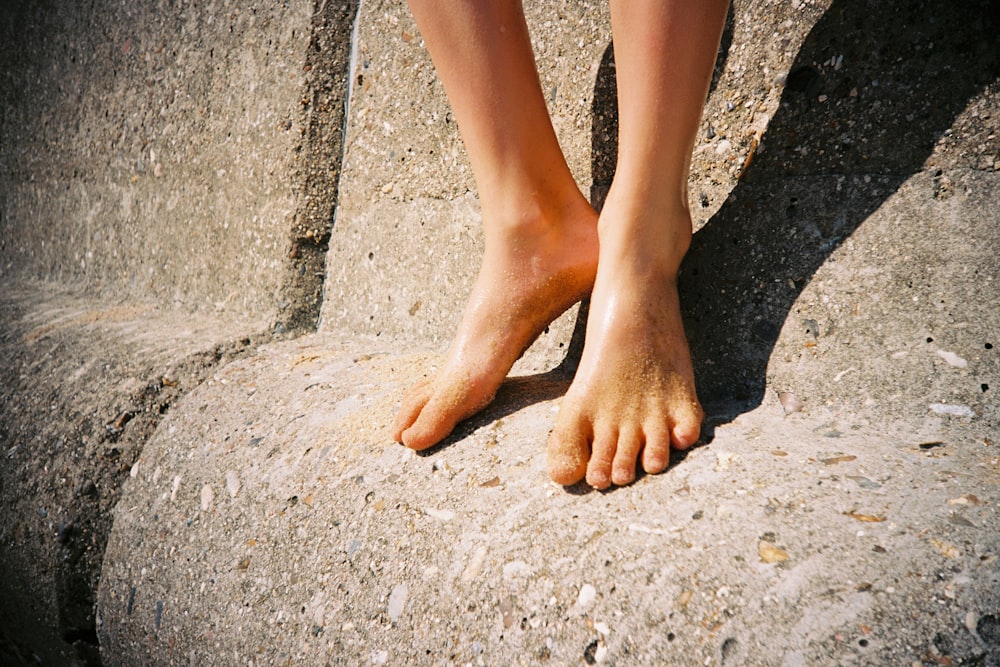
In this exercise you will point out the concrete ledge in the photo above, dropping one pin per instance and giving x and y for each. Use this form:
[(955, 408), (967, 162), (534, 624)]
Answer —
[(271, 521), (85, 386), (167, 188)]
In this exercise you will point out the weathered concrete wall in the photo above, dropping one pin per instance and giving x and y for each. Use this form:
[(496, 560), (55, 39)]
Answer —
[(168, 176), (407, 241), (170, 152)]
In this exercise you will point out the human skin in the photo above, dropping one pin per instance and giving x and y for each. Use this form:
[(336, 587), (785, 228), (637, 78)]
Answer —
[(633, 396)]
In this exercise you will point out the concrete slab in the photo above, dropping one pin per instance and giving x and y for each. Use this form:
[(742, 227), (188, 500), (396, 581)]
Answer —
[(179, 155), (167, 185), (83, 388), (271, 520)]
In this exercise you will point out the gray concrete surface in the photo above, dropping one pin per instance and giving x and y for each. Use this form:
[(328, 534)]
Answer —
[(272, 521), (841, 302), (167, 184), (83, 387), (183, 155)]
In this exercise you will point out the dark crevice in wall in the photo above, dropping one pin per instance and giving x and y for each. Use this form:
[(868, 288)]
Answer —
[(319, 157)]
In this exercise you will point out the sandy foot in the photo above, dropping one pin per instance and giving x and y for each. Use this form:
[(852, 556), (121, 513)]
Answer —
[(528, 278), (633, 397)]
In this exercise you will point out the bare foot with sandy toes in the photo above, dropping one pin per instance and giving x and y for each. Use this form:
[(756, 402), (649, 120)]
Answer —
[(528, 278), (633, 397)]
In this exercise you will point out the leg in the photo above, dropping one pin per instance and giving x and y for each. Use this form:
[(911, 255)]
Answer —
[(633, 395), (540, 233)]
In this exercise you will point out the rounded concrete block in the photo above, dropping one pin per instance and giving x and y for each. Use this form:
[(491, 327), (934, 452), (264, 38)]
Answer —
[(272, 520)]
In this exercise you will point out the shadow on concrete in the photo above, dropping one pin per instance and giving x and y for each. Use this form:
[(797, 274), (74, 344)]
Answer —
[(845, 137), (515, 394), (841, 143)]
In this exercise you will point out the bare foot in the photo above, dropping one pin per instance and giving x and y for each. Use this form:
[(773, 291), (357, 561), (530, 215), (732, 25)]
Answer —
[(633, 396), (532, 272)]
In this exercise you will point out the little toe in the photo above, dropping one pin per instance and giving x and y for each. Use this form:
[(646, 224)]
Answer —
[(568, 452), (686, 427), (623, 466), (601, 459)]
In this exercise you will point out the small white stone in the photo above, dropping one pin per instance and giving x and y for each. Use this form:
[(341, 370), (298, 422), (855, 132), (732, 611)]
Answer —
[(232, 483), (952, 359), (602, 628), (724, 147), (442, 515), (956, 410), (397, 600), (790, 403), (475, 565), (587, 596), (515, 568), (380, 657), (840, 376), (207, 496)]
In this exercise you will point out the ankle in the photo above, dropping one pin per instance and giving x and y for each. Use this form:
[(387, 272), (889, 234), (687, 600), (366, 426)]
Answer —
[(649, 241), (535, 221)]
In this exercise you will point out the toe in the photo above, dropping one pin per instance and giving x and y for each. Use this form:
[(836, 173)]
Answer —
[(413, 402), (687, 425), (431, 426), (656, 453), (623, 466), (568, 452), (601, 459)]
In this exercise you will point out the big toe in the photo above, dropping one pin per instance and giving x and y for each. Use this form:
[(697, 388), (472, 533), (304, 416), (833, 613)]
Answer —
[(413, 403), (431, 426), (568, 453)]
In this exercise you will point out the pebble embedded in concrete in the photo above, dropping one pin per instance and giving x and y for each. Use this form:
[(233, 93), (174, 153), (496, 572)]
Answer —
[(397, 601)]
